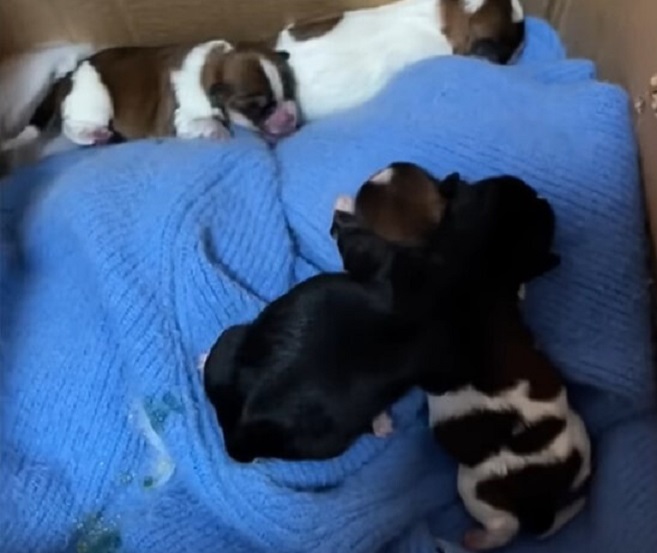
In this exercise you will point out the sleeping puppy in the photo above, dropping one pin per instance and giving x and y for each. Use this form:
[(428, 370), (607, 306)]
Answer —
[(193, 91), (312, 372), (524, 454), (342, 61)]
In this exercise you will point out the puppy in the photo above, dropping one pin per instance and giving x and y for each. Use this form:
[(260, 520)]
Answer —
[(185, 91), (524, 454), (312, 372), (342, 61)]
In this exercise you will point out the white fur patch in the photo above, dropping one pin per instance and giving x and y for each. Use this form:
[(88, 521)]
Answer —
[(472, 6), (88, 107), (200, 363), (559, 449), (469, 400), (192, 99), (241, 120), (274, 77), (353, 61), (501, 527), (383, 425), (517, 11), (26, 79), (522, 292), (346, 204), (383, 177)]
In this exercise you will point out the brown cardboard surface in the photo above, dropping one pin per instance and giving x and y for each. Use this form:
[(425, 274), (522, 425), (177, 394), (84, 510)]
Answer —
[(620, 36), (24, 23), (622, 39)]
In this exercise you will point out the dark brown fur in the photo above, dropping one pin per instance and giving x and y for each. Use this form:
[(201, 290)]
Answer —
[(139, 82), (305, 30), (489, 32)]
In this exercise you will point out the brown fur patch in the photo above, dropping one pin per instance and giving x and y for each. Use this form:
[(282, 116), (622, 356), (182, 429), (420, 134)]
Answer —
[(305, 30), (405, 209), (139, 83)]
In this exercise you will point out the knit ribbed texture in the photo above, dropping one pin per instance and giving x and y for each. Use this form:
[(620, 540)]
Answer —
[(120, 265)]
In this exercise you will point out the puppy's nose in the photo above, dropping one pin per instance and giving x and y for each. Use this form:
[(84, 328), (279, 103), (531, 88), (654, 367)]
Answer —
[(284, 120)]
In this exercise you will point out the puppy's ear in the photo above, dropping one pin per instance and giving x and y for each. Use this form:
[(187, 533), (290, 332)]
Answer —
[(283, 54), (449, 185)]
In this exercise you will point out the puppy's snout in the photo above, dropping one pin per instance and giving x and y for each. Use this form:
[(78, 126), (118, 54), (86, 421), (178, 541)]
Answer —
[(284, 120)]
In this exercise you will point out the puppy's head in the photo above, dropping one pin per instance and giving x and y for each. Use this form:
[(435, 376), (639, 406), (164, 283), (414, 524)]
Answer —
[(502, 221), (403, 203), (256, 88), (522, 226), (492, 29), (397, 210)]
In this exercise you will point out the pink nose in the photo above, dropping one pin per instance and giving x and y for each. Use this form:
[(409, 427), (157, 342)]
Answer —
[(284, 119)]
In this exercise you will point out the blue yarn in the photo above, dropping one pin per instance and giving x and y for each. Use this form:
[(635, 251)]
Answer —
[(120, 265)]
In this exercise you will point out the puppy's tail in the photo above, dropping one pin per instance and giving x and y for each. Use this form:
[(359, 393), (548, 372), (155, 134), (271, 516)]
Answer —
[(26, 80)]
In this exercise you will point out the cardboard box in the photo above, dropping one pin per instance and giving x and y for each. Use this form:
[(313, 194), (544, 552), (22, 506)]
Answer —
[(621, 38)]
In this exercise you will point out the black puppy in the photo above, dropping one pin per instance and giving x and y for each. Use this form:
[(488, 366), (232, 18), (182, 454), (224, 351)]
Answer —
[(315, 369), (312, 372)]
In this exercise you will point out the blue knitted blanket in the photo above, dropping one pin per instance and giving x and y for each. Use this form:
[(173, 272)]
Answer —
[(120, 265)]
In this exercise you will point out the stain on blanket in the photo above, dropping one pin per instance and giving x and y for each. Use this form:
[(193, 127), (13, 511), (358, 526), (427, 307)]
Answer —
[(97, 535), (151, 418)]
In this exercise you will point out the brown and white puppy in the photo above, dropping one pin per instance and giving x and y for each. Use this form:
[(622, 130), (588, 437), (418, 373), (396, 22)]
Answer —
[(185, 91), (524, 454), (342, 61)]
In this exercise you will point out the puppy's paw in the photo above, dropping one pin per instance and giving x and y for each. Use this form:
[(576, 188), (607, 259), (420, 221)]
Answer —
[(382, 425), (201, 127), (476, 539), (86, 134), (346, 204)]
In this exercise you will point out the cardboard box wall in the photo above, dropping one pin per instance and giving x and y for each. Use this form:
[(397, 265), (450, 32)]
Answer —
[(621, 36)]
